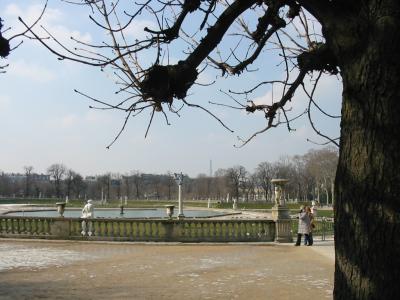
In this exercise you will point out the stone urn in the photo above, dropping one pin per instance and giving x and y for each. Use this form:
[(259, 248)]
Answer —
[(170, 210), (61, 208)]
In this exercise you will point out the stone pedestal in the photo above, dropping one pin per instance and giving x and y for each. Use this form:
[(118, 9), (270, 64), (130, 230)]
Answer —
[(60, 228), (283, 231), (283, 224), (280, 212)]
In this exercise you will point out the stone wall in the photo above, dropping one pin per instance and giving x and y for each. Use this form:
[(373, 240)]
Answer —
[(157, 230)]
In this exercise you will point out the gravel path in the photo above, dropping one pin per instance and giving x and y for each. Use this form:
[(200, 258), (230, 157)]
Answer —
[(90, 270)]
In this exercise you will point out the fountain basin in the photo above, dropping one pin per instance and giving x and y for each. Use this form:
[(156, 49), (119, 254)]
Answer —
[(116, 213)]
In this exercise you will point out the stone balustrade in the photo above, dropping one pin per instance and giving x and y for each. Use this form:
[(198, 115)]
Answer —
[(25, 227), (157, 230)]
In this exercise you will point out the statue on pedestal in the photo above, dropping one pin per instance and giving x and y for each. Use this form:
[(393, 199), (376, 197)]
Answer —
[(87, 213), (278, 194)]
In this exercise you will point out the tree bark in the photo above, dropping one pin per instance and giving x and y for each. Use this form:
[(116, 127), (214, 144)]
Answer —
[(367, 190)]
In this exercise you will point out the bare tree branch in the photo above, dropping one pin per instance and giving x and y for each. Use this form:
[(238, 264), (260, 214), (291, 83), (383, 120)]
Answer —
[(154, 85)]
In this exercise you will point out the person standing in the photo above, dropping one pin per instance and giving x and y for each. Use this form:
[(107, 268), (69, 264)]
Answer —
[(304, 225), (308, 240), (87, 213), (314, 208)]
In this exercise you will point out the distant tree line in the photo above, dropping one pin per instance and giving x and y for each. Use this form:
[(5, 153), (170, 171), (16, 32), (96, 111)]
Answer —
[(311, 177)]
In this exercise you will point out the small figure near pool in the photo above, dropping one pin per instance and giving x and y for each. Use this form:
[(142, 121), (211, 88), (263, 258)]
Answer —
[(87, 213)]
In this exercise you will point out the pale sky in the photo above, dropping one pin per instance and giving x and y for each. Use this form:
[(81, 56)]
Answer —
[(43, 121)]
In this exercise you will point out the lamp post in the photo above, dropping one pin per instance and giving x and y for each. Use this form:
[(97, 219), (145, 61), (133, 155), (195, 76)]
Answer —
[(179, 180)]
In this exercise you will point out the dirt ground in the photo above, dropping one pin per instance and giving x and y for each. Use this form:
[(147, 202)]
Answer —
[(87, 270)]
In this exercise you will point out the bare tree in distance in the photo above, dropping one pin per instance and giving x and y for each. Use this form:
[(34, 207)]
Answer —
[(264, 175), (322, 165), (221, 183), (69, 176), (78, 185), (303, 179), (127, 180), (137, 179), (105, 184), (28, 180), (57, 172), (170, 182), (236, 176), (248, 187), (74, 184), (359, 40)]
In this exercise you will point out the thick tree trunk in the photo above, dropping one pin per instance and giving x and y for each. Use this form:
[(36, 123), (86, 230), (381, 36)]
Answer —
[(367, 190)]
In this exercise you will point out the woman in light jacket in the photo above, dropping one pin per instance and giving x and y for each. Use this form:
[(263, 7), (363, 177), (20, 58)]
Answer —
[(304, 225)]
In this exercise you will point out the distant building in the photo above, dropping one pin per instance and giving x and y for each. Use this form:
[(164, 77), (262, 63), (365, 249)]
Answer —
[(90, 179), (15, 177), (40, 177), (18, 177)]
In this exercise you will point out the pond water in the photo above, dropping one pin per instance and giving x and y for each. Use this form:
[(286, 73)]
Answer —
[(115, 213)]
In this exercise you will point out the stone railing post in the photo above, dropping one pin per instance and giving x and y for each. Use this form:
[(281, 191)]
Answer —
[(60, 228), (283, 231)]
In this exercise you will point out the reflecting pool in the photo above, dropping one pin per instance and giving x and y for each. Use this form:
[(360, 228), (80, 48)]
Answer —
[(115, 213)]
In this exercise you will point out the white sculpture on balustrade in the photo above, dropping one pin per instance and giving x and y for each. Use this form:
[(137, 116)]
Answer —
[(87, 213)]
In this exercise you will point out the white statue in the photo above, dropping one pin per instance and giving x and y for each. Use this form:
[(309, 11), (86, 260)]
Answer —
[(314, 208), (87, 213), (278, 193)]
